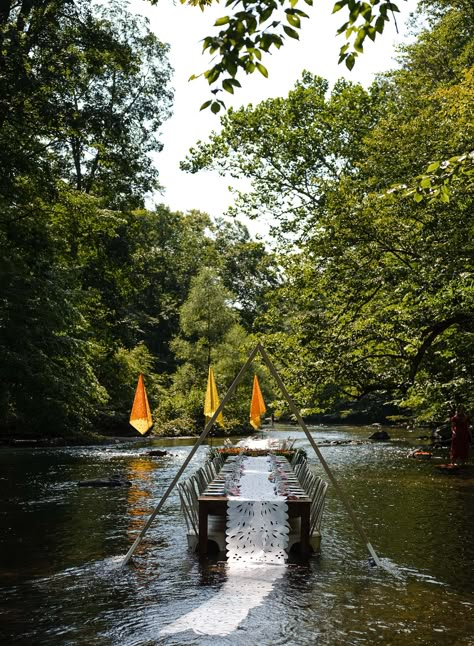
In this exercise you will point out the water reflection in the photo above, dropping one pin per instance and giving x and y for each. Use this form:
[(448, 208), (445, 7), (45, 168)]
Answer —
[(140, 504), (62, 546)]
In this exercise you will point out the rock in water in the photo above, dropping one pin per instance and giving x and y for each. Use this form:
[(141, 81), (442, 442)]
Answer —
[(380, 436), (114, 481)]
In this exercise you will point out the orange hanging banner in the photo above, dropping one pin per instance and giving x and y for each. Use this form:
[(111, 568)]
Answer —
[(140, 417), (257, 406)]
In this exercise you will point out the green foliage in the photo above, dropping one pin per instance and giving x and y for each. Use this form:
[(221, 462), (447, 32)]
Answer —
[(247, 269), (85, 91), (118, 373), (378, 291), (369, 299), (70, 119), (48, 382), (210, 335), (255, 28), (205, 314), (292, 149), (175, 427)]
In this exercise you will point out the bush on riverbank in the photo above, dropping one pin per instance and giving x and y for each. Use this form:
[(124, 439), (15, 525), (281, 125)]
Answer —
[(185, 426)]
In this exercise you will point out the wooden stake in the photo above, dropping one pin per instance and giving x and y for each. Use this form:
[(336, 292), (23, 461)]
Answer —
[(200, 440), (333, 480)]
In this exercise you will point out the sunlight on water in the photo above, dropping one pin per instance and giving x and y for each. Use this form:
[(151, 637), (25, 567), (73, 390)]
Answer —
[(246, 588)]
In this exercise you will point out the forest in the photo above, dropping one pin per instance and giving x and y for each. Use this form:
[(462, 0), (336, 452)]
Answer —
[(363, 295)]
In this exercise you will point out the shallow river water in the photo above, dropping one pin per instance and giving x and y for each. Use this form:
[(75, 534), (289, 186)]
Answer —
[(61, 546)]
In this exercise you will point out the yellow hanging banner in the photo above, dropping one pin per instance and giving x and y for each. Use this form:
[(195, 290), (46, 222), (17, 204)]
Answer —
[(140, 417), (257, 405), (211, 403)]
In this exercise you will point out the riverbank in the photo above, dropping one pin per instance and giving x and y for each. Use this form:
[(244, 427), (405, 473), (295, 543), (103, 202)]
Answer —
[(129, 436)]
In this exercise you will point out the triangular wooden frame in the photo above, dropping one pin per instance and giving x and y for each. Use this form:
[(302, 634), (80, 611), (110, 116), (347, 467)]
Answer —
[(258, 349)]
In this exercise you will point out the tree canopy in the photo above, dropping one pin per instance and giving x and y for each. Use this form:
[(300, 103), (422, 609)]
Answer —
[(378, 289)]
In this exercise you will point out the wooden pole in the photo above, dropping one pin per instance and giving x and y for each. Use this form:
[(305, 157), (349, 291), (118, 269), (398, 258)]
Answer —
[(333, 480), (200, 440)]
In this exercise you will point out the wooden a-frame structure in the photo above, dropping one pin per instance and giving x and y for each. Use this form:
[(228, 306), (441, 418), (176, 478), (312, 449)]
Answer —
[(266, 359)]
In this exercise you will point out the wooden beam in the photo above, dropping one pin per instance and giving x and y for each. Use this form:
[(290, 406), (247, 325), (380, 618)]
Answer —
[(330, 475)]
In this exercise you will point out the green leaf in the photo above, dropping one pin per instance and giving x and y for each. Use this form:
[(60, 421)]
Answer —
[(380, 24), (205, 105), (212, 75), (262, 69), (291, 32), (227, 85), (339, 5), (222, 21), (293, 20), (358, 42), (350, 61), (444, 194), (231, 67), (425, 182), (433, 166), (371, 33), (215, 107), (265, 15)]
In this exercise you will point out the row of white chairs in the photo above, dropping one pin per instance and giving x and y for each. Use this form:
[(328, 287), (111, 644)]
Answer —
[(194, 486), (316, 489)]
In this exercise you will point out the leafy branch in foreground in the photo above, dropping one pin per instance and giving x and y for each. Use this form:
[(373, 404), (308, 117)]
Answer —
[(254, 27)]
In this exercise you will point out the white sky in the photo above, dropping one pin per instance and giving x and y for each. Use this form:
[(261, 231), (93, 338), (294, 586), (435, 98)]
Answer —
[(183, 27)]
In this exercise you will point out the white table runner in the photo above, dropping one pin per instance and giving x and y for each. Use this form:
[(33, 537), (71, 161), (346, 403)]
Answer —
[(257, 519)]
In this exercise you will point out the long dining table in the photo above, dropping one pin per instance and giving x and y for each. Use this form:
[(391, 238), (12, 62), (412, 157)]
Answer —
[(214, 500)]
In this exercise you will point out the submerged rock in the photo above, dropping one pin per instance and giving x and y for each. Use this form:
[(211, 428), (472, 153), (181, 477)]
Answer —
[(380, 436), (420, 453), (114, 481), (442, 435), (157, 453)]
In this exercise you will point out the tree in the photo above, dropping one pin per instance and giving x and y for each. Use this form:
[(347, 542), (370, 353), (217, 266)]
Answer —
[(86, 91), (205, 317), (292, 149), (378, 292), (247, 268), (209, 332), (115, 99), (166, 250), (48, 383), (76, 126)]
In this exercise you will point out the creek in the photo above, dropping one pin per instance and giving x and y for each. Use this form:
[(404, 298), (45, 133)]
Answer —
[(62, 546)]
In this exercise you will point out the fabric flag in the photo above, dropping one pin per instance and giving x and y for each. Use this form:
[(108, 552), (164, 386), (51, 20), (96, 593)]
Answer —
[(257, 406), (211, 402), (140, 417)]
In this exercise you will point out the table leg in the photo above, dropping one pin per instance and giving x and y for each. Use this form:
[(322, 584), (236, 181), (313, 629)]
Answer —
[(203, 517), (305, 528)]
